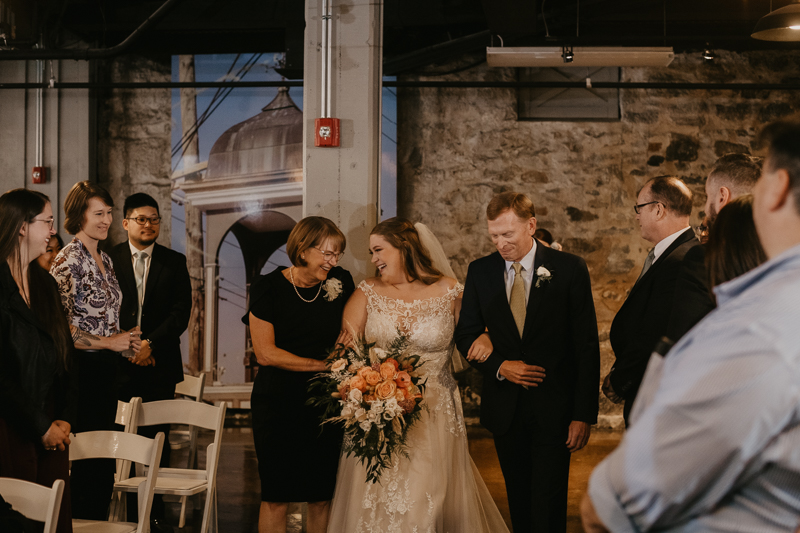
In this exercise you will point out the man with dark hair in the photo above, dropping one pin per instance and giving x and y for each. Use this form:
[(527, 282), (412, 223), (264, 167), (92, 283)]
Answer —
[(156, 295), (731, 176), (540, 381), (670, 295), (714, 440)]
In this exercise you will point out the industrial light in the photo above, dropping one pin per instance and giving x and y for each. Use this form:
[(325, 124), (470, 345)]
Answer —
[(609, 56), (708, 55), (780, 25)]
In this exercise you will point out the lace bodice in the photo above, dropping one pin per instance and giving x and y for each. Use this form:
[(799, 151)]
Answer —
[(429, 324)]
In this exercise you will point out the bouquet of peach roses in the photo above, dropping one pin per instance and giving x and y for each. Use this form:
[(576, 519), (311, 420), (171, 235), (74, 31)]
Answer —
[(376, 394)]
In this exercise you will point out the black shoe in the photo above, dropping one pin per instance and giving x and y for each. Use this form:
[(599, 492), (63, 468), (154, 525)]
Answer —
[(158, 525)]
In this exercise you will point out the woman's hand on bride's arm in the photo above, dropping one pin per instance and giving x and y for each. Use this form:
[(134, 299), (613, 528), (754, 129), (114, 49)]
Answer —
[(345, 339), (481, 349)]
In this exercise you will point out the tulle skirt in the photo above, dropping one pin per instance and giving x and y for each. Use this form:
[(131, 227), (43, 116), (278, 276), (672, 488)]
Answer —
[(436, 489)]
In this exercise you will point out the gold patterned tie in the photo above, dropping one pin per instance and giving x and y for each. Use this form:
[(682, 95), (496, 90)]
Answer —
[(517, 300)]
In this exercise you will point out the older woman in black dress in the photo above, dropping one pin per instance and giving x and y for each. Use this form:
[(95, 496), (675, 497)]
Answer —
[(295, 316)]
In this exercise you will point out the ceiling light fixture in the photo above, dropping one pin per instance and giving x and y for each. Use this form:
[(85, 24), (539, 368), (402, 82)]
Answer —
[(780, 25), (708, 55), (552, 56)]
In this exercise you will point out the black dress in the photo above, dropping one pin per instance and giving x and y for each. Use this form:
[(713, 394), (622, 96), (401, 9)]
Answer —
[(297, 459)]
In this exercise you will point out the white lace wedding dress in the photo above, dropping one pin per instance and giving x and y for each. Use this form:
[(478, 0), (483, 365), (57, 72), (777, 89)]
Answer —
[(437, 489)]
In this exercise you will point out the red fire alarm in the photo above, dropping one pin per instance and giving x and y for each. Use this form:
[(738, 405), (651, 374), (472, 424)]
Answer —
[(326, 132), (39, 175)]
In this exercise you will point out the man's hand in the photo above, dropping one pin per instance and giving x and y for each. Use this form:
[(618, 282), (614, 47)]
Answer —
[(609, 391), (578, 435), (144, 356), (591, 522), (522, 374), (480, 349)]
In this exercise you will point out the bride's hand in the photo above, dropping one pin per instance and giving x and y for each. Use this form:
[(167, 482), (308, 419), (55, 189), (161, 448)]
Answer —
[(345, 339), (481, 349)]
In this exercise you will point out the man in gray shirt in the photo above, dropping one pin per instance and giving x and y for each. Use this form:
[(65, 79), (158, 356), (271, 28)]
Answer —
[(715, 432)]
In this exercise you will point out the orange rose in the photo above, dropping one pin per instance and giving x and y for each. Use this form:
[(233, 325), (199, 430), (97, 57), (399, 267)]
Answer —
[(385, 390), (403, 379), (388, 370), (372, 378), (357, 382), (394, 362), (362, 372)]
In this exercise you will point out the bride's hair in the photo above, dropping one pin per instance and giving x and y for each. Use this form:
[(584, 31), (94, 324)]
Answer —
[(401, 234)]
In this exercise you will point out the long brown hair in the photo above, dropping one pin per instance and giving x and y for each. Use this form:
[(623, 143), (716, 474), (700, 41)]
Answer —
[(401, 234), (17, 207), (733, 247)]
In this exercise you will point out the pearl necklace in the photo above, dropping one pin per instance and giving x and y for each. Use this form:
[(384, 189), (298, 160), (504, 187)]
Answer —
[(291, 275)]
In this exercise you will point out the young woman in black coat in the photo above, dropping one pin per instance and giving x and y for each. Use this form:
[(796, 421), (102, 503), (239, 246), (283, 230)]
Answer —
[(35, 417)]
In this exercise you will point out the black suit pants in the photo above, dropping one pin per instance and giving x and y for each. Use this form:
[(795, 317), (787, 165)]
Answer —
[(535, 465), (152, 388)]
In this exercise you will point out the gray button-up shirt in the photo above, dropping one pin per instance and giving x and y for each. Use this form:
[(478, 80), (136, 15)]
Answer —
[(714, 442)]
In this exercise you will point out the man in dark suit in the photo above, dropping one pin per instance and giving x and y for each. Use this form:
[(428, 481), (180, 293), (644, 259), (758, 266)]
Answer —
[(671, 294), (156, 295), (540, 380)]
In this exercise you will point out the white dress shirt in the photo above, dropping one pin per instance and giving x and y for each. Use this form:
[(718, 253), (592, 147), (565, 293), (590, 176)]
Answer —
[(149, 252), (664, 243), (527, 273)]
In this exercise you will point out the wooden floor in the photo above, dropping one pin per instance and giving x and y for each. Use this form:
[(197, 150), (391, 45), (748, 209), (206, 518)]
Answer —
[(239, 488)]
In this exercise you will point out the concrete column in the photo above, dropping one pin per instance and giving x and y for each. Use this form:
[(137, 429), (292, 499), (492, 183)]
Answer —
[(342, 183), (210, 340)]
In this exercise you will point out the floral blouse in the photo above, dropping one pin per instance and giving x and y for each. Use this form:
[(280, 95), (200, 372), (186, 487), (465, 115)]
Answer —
[(90, 299)]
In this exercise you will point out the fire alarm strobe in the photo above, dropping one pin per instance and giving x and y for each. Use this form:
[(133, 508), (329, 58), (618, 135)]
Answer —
[(326, 132)]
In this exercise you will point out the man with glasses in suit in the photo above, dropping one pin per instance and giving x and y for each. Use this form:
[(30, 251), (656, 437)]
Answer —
[(156, 295), (671, 294)]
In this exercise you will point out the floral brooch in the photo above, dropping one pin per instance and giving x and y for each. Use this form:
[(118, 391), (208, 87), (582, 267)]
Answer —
[(333, 288)]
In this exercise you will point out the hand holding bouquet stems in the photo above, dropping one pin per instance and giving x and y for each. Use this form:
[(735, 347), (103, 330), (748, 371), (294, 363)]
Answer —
[(375, 393)]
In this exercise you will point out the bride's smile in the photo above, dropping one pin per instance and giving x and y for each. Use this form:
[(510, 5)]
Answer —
[(388, 260)]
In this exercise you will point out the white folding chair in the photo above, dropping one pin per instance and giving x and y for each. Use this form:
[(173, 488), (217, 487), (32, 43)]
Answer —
[(36, 502), (191, 387), (130, 447), (185, 481)]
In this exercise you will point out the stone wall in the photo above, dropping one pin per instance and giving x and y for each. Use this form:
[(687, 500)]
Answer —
[(134, 135), (458, 147)]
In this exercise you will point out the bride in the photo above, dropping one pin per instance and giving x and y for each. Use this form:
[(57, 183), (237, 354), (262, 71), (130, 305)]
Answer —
[(437, 488)]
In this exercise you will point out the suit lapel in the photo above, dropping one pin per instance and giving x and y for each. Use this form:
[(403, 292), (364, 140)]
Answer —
[(152, 276), (497, 288), (535, 296), (683, 238), (124, 272)]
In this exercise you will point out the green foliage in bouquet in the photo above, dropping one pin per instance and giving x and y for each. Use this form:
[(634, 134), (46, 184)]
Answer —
[(376, 394)]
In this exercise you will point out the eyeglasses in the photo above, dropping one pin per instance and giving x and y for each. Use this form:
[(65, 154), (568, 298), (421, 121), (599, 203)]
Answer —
[(142, 221), (638, 207), (327, 256), (49, 221)]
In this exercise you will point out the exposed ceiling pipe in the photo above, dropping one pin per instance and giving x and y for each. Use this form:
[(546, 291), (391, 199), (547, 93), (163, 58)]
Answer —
[(433, 85), (86, 54)]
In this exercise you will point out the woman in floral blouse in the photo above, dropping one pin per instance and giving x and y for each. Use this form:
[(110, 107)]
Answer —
[(91, 297)]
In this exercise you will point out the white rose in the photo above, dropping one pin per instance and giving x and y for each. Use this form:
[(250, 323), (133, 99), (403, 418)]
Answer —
[(339, 365), (360, 414), (347, 410), (365, 425), (356, 365), (354, 395), (377, 407), (542, 272), (392, 406)]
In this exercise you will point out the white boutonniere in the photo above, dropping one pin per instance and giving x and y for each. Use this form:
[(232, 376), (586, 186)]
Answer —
[(333, 288), (542, 276)]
